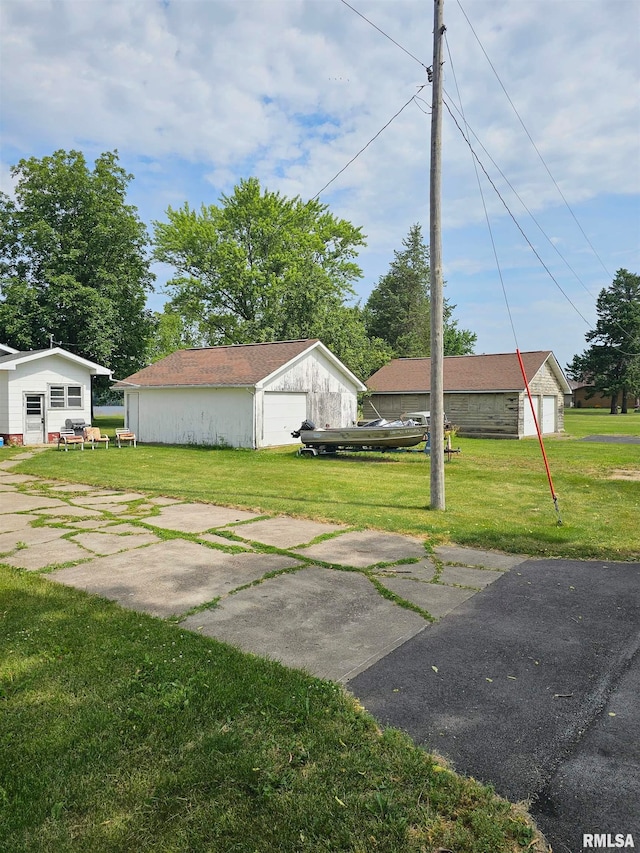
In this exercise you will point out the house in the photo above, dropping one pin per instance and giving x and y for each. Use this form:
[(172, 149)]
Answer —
[(585, 396), (484, 395), (40, 389), (251, 395)]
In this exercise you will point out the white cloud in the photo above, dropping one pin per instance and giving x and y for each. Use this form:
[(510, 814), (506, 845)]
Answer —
[(196, 94)]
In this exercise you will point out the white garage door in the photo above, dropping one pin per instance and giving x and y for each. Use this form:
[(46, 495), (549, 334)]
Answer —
[(548, 414), (529, 423), (282, 414)]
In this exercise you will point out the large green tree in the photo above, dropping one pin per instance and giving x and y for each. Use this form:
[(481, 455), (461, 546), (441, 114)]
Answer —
[(262, 267), (73, 261), (612, 363), (398, 309), (258, 266)]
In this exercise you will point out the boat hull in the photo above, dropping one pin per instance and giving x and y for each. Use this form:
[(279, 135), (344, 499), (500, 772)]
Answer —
[(363, 438)]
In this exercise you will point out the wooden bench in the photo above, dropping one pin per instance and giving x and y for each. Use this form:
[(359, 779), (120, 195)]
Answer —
[(93, 435), (68, 436), (126, 435)]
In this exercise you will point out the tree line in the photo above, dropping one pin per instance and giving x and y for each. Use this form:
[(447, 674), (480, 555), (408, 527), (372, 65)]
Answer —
[(76, 269)]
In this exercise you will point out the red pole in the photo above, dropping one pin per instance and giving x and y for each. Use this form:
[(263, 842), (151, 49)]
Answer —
[(535, 420)]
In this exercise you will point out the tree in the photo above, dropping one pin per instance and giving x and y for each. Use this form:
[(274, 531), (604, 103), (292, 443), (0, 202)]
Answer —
[(398, 309), (612, 363), (258, 267), (73, 262)]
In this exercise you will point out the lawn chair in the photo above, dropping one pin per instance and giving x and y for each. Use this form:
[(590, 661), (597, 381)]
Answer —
[(126, 435), (69, 436), (94, 435)]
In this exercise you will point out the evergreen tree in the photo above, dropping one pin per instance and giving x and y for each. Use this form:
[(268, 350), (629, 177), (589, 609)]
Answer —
[(398, 309), (612, 363)]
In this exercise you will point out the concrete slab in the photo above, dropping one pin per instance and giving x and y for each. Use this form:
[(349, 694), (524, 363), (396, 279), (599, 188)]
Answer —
[(68, 511), (113, 543), (47, 554), (475, 557), (79, 487), (112, 508), (170, 577), (436, 599), (333, 624), (161, 500), (365, 548), (425, 570), (476, 578), (221, 540), (29, 536), (7, 488), (197, 518), (11, 502), (87, 524), (15, 479), (111, 498), (12, 521), (285, 532)]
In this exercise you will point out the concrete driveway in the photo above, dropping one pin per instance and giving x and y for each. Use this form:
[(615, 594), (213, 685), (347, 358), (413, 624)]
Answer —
[(524, 673)]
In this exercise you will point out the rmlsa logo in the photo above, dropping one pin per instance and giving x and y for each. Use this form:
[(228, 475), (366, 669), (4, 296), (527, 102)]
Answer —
[(604, 841)]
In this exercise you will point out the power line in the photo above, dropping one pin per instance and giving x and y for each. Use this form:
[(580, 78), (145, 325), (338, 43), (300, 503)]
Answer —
[(535, 147), (364, 148), (386, 35)]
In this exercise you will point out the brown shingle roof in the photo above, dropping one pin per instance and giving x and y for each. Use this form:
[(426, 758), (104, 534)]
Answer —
[(499, 372), (239, 364)]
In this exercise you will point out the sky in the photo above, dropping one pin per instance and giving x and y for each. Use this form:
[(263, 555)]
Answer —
[(198, 94)]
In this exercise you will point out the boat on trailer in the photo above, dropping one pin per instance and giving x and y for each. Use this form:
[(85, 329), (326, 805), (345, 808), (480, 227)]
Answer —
[(379, 434)]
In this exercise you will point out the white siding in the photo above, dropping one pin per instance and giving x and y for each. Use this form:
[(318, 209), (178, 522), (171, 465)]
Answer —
[(549, 406), (331, 396), (35, 377), (207, 416), (4, 401)]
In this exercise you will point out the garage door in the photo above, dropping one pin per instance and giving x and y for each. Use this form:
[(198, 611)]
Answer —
[(529, 423), (282, 414), (548, 414)]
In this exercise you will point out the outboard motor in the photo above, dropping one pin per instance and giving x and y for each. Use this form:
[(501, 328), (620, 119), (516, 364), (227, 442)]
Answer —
[(303, 426)]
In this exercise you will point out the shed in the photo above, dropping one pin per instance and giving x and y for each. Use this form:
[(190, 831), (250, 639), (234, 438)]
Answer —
[(251, 395), (484, 395), (40, 389)]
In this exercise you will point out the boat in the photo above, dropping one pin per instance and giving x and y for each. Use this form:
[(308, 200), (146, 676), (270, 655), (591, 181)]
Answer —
[(379, 434)]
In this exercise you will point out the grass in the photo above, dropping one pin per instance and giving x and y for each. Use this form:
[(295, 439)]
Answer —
[(120, 732), (497, 492)]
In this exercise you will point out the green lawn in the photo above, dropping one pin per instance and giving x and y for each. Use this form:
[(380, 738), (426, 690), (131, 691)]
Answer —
[(119, 732), (497, 492)]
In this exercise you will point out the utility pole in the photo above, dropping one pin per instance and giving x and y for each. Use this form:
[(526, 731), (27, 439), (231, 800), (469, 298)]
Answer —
[(436, 398)]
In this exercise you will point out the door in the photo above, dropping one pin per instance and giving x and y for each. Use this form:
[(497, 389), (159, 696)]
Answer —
[(548, 414), (529, 422), (283, 413), (132, 412), (33, 419)]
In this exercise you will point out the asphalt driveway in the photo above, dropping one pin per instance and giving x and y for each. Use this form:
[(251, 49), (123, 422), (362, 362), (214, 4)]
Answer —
[(533, 686)]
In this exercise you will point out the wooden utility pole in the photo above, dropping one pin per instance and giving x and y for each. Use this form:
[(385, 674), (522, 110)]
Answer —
[(436, 400)]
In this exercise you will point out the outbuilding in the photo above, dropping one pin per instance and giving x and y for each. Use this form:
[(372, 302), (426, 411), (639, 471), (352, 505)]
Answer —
[(484, 395), (40, 390), (251, 395)]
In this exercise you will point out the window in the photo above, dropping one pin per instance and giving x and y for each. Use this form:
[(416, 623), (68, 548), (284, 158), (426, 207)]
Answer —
[(65, 396)]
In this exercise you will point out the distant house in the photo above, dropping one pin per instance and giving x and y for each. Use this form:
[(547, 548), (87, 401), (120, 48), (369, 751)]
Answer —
[(250, 395), (484, 395), (40, 389), (584, 396)]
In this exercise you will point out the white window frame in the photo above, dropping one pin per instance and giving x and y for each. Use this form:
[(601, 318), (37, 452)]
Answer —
[(65, 397)]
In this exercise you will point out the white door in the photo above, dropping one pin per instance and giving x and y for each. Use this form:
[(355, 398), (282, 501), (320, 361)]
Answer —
[(33, 419), (548, 414), (132, 412), (529, 422), (282, 414)]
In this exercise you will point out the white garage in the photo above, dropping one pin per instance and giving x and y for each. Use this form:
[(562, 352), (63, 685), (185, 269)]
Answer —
[(251, 395)]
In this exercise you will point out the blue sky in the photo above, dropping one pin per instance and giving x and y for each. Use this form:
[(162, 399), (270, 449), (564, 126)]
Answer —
[(197, 94)]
